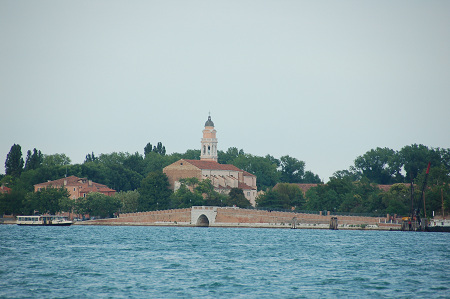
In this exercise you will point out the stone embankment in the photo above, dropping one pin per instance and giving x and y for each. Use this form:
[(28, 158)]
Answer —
[(236, 217)]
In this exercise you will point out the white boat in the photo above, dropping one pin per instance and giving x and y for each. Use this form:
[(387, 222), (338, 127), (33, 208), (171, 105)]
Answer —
[(438, 225), (45, 220)]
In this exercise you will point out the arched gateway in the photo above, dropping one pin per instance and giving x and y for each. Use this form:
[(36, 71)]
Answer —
[(202, 221), (203, 216)]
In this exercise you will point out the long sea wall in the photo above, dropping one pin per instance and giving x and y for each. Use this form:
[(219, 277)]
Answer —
[(236, 217)]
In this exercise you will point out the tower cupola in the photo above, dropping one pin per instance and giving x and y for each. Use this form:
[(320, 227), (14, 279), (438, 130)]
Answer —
[(208, 151)]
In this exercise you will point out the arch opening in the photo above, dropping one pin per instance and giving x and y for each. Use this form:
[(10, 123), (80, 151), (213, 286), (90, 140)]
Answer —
[(202, 221)]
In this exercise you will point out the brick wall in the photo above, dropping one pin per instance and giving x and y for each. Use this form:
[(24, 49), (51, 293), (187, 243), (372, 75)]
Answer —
[(230, 215), (181, 169), (178, 215)]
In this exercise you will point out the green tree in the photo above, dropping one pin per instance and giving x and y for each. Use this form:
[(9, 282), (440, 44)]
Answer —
[(191, 155), (101, 205), (34, 160), (147, 149), (237, 198), (272, 199), (55, 160), (90, 158), (228, 156), (313, 200), (14, 161), (47, 200), (129, 200), (311, 178), (415, 159), (377, 165), (264, 168), (292, 170), (12, 203), (397, 200), (159, 149), (294, 193), (184, 198), (154, 192)]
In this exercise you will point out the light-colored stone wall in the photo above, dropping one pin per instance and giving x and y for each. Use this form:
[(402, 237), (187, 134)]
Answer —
[(181, 169)]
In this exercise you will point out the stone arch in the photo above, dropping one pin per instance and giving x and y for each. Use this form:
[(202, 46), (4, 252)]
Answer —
[(203, 221)]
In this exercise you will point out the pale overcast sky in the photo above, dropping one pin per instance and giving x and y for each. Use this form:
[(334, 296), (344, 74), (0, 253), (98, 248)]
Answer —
[(321, 81)]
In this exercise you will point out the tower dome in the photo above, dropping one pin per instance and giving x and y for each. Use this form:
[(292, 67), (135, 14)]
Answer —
[(209, 122), (208, 150)]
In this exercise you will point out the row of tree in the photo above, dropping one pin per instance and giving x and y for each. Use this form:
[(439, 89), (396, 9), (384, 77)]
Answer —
[(124, 171), (352, 190), (153, 194), (346, 195)]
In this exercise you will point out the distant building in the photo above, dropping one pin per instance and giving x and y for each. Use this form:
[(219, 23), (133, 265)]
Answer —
[(77, 187), (222, 176), (4, 189)]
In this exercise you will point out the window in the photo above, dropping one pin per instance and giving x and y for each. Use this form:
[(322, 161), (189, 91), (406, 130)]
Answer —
[(248, 193), (73, 188), (84, 195)]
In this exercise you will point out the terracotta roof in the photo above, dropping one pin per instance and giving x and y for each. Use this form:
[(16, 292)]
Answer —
[(212, 165), (71, 181), (248, 174), (386, 188), (244, 186)]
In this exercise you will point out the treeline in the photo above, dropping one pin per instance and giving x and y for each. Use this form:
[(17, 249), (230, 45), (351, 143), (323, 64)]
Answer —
[(352, 190), (124, 171), (357, 189), (128, 173)]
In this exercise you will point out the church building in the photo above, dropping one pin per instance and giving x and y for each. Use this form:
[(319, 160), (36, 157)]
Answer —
[(222, 176)]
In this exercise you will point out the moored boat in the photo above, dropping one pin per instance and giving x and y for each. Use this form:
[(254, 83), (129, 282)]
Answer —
[(438, 225), (44, 220)]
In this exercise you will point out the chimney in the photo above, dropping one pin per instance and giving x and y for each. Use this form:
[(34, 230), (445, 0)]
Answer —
[(65, 182), (90, 183)]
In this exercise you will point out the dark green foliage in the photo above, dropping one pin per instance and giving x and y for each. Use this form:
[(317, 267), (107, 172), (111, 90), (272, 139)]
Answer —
[(264, 168), (159, 149), (12, 204), (284, 196), (34, 160), (295, 194), (98, 205), (129, 201), (154, 192), (148, 149), (273, 199), (47, 200), (55, 160), (237, 198), (184, 198), (292, 169), (311, 178), (90, 158), (14, 161), (228, 156), (191, 155)]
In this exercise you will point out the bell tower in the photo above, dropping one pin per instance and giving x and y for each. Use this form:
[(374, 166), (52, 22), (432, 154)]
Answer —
[(208, 151)]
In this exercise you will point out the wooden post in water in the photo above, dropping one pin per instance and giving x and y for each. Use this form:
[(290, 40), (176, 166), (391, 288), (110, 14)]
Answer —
[(334, 223), (294, 223)]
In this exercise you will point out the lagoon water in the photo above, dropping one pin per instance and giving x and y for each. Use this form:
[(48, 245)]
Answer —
[(175, 262)]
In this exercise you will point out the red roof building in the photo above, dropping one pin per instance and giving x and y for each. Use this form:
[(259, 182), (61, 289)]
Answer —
[(77, 187)]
